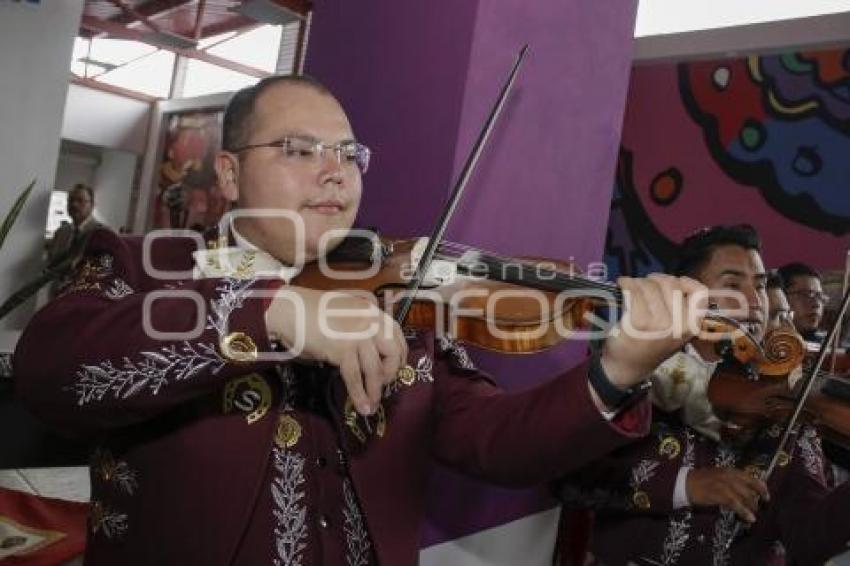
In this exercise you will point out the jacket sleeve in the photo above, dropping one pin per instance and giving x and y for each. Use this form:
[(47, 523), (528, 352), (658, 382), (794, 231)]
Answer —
[(92, 359), (636, 479), (525, 438), (813, 521)]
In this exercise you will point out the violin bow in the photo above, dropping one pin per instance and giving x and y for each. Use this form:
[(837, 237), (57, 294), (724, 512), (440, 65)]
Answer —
[(439, 230), (808, 381)]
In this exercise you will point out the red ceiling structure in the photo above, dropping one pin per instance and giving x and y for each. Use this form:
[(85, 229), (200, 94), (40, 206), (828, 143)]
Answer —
[(189, 19), (178, 25)]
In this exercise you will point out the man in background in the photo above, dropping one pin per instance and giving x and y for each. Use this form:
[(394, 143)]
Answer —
[(80, 208), (806, 297)]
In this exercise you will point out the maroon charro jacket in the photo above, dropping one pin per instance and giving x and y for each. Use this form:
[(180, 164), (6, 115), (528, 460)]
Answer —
[(631, 492), (183, 460)]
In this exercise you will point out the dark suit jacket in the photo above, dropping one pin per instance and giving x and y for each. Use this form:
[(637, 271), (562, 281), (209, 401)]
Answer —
[(86, 365)]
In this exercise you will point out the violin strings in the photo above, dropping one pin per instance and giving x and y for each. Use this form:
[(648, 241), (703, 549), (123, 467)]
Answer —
[(532, 273), (452, 250)]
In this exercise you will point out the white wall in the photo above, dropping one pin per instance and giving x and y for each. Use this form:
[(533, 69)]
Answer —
[(815, 32), (105, 119), (112, 183), (35, 58), (73, 169)]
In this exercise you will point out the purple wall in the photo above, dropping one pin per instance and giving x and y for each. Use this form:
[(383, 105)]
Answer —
[(399, 68), (418, 81)]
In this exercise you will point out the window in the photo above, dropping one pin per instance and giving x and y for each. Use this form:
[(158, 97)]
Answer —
[(257, 48), (129, 64), (143, 68), (656, 17), (204, 78)]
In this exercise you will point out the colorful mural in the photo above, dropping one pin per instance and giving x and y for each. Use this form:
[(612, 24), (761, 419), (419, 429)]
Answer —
[(762, 139)]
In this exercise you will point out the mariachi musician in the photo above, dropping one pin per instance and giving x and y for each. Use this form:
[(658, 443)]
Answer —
[(680, 495), (262, 438)]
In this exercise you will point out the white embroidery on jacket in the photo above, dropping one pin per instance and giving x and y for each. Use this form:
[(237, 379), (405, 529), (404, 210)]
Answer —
[(680, 523), (724, 527), (115, 471), (290, 510), (156, 368), (232, 294), (106, 261), (111, 523), (643, 472), (456, 351), (356, 537), (810, 449), (118, 290), (153, 371)]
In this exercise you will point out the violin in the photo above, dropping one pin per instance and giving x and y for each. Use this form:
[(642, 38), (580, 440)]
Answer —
[(504, 304), (838, 360), (750, 397)]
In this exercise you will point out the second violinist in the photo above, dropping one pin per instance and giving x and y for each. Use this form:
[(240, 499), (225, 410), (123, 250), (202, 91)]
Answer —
[(683, 488)]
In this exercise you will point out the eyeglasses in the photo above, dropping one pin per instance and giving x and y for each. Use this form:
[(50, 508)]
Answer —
[(818, 296), (309, 150)]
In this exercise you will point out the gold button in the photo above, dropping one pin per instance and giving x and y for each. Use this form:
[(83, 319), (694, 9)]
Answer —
[(407, 375), (288, 432), (783, 459), (669, 447), (641, 500), (239, 347)]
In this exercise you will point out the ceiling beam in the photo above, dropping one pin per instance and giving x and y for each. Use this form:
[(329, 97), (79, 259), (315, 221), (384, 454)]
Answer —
[(236, 23), (119, 31), (302, 7), (135, 15), (150, 8), (112, 89), (199, 20)]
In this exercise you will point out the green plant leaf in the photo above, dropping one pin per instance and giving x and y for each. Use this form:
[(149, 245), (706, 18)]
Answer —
[(9, 221), (55, 270)]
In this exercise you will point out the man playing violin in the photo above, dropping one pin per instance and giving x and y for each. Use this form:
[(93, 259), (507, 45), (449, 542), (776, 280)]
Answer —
[(270, 428), (676, 496)]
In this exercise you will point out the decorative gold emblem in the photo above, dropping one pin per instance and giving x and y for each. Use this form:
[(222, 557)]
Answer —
[(249, 394), (641, 499), (288, 432), (669, 447), (245, 268), (375, 424), (407, 375), (783, 459), (238, 347)]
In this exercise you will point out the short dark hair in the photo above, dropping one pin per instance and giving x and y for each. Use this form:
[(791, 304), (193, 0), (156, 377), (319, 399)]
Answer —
[(83, 187), (695, 251), (236, 129), (796, 269), (774, 280)]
